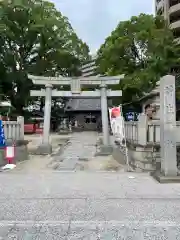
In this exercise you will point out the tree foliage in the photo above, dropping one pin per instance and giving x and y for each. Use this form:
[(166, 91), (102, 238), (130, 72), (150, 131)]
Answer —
[(35, 38), (143, 49)]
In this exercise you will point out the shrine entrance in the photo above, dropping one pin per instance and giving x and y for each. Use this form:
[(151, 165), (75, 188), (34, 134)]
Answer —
[(76, 84), (90, 122)]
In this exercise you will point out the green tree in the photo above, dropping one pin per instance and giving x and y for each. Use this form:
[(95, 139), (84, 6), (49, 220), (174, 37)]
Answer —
[(143, 49), (35, 38)]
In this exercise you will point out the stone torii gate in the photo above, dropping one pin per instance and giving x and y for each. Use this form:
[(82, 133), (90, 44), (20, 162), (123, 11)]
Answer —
[(75, 83)]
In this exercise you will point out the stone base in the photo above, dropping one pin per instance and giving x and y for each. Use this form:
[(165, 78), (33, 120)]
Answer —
[(165, 179), (20, 153), (44, 149), (105, 151), (64, 132)]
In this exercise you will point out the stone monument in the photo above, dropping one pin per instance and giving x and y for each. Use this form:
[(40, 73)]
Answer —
[(168, 139)]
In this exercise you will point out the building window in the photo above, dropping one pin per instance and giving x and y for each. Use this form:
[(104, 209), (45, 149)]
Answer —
[(93, 120), (87, 120), (90, 119)]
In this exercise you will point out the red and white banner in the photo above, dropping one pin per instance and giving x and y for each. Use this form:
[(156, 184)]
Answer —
[(114, 112), (118, 129), (117, 123)]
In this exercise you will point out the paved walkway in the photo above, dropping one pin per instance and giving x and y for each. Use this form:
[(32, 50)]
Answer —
[(81, 205), (78, 154), (81, 146)]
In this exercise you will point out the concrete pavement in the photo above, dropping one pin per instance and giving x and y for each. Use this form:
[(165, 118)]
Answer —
[(82, 205)]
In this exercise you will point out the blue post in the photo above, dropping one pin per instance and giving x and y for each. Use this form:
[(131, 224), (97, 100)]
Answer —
[(2, 136)]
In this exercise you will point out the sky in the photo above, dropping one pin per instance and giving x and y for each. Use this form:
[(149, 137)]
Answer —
[(93, 20)]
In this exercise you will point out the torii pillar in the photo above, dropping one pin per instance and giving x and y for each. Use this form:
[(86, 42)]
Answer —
[(106, 148), (46, 147)]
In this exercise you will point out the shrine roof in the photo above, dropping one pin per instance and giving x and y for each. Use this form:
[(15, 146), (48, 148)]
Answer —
[(87, 104)]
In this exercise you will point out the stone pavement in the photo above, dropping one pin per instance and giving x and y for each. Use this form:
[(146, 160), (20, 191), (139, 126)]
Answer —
[(81, 146), (37, 163), (77, 154), (82, 205), (36, 139)]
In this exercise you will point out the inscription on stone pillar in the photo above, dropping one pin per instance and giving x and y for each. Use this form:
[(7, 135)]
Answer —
[(169, 103), (168, 126), (75, 86)]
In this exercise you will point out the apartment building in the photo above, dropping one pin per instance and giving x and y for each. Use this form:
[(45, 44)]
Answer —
[(89, 69), (170, 9)]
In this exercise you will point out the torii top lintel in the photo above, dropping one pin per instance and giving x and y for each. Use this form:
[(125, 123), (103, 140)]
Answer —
[(95, 80)]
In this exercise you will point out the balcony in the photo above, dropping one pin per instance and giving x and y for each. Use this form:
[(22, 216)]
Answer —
[(174, 9), (175, 25), (177, 40)]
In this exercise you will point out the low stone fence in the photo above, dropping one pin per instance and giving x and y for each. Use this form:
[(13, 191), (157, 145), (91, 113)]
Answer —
[(143, 139), (143, 143), (144, 132), (14, 130), (131, 131)]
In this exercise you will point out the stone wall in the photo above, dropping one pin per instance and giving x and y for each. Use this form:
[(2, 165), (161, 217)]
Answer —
[(140, 158), (21, 152)]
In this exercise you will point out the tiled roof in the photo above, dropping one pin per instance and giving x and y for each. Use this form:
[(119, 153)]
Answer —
[(86, 104)]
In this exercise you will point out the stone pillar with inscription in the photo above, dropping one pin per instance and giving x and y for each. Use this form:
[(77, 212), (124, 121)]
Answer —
[(168, 126)]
